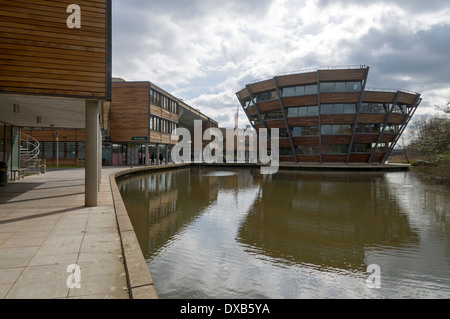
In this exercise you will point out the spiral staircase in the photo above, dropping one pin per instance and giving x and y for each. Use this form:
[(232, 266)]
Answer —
[(29, 154)]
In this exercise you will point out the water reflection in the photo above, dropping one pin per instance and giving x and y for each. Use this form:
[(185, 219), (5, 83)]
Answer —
[(327, 220), (238, 234)]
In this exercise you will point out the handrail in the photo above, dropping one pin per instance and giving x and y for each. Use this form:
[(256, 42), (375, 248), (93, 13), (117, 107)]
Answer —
[(34, 153), (343, 67), (371, 89)]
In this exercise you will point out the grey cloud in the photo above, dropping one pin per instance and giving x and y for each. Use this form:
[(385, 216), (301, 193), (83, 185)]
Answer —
[(407, 5), (423, 57)]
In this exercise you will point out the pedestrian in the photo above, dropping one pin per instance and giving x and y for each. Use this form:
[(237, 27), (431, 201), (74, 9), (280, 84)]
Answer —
[(152, 158), (160, 159)]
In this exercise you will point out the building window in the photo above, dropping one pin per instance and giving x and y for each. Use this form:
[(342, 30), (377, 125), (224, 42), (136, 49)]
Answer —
[(381, 147), (308, 150), (306, 131), (338, 109), (368, 128), (336, 149), (272, 115), (266, 96), (375, 107), (399, 109), (299, 90), (362, 148), (337, 129), (286, 151), (303, 111), (283, 133), (340, 87), (391, 128)]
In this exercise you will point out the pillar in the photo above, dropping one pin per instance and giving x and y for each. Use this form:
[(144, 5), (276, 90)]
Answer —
[(99, 154), (157, 154), (147, 155), (167, 154), (92, 156)]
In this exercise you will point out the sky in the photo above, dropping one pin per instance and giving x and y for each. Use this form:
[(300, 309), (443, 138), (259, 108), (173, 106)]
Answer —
[(204, 51)]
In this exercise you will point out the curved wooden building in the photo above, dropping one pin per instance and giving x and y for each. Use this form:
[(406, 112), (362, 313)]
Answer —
[(328, 115)]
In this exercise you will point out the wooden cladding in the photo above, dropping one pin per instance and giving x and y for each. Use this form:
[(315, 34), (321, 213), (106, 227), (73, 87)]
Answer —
[(370, 117), (132, 113), (57, 135), (40, 54)]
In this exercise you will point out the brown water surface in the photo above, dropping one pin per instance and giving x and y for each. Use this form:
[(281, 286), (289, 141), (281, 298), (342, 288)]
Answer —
[(234, 233)]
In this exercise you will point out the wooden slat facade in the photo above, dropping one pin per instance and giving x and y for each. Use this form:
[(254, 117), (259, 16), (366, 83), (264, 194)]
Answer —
[(40, 54), (131, 110), (325, 141)]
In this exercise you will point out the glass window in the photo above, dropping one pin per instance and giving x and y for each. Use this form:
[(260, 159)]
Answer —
[(286, 151), (339, 109), (81, 146), (300, 90), (297, 131), (327, 108), (362, 148), (349, 108), (47, 149), (347, 128), (381, 147), (353, 87), (283, 133), (313, 110), (327, 87), (293, 112), (340, 87), (364, 108), (327, 129), (303, 111), (308, 150), (70, 149), (337, 149), (337, 129), (289, 91), (400, 109), (310, 89)]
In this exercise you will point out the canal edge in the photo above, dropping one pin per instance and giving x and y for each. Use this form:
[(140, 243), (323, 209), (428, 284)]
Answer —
[(139, 280)]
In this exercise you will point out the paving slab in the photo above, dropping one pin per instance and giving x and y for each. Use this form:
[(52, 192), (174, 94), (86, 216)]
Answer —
[(45, 228)]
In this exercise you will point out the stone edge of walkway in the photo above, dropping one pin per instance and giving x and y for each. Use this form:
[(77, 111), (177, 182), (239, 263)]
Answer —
[(139, 279)]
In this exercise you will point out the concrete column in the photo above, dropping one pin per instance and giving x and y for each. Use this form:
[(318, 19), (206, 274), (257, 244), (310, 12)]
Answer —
[(100, 154), (146, 162), (92, 166), (167, 154), (157, 154)]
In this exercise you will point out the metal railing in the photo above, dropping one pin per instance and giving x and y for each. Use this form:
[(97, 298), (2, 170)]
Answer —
[(343, 67), (29, 153)]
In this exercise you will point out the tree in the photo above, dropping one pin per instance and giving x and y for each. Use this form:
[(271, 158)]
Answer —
[(431, 134)]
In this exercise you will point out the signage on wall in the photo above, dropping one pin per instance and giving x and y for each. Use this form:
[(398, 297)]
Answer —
[(138, 138)]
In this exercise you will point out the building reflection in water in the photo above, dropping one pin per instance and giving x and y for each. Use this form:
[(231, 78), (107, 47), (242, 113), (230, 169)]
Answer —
[(324, 219), (230, 233)]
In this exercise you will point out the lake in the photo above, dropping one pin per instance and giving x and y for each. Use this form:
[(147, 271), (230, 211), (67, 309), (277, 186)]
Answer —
[(234, 233)]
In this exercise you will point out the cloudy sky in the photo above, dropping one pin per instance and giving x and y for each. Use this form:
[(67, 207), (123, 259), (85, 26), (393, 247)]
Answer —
[(204, 51)]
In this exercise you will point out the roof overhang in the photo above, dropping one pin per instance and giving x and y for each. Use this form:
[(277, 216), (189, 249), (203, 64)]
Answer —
[(42, 111)]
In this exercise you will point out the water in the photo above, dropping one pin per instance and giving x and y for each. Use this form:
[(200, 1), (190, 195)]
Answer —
[(234, 233)]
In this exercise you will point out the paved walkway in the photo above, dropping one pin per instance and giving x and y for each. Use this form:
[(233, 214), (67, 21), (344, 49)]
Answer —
[(44, 228)]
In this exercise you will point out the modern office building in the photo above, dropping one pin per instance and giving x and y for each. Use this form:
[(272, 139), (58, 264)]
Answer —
[(329, 115), (136, 128), (55, 71)]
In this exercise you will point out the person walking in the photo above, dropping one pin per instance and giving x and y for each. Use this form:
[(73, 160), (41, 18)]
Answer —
[(160, 158), (152, 158)]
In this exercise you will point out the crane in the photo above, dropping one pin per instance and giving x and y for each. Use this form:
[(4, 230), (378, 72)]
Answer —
[(236, 118)]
